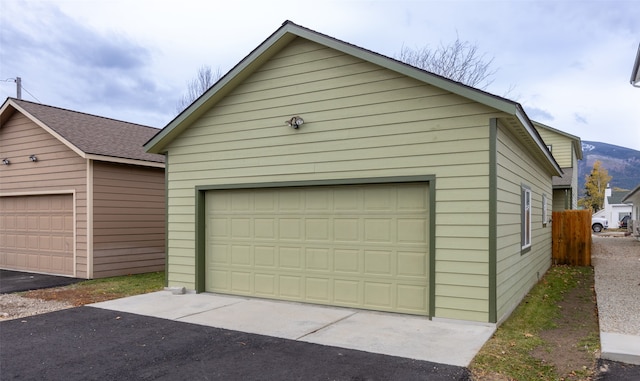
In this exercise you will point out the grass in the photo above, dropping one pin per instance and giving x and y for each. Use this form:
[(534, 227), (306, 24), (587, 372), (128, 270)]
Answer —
[(127, 285), (508, 352), (98, 290)]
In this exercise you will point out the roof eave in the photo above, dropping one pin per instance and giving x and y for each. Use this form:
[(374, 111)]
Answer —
[(277, 41), (630, 194), (223, 86), (289, 31), (119, 160), (551, 163), (17, 107)]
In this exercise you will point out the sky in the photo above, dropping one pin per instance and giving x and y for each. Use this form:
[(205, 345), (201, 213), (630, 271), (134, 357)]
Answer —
[(567, 62)]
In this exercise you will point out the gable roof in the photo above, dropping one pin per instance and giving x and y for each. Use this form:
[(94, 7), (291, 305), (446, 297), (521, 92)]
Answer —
[(575, 140), (564, 181), (617, 197), (629, 195), (290, 31), (90, 136)]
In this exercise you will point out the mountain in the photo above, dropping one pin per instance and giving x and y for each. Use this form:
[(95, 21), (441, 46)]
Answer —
[(623, 164)]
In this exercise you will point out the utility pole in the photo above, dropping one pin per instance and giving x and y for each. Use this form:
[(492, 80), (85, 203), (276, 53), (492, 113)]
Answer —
[(18, 87)]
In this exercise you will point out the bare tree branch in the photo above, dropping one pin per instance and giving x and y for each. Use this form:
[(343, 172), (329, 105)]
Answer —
[(204, 79), (459, 61)]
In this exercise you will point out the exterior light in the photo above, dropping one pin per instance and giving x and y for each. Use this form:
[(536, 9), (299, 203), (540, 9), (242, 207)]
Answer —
[(295, 122), (33, 158), (6, 161)]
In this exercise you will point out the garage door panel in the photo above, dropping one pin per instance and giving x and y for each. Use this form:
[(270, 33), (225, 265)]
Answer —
[(378, 230), (265, 285), (240, 255), (377, 295), (265, 256), (346, 261), (37, 233), (290, 287), (411, 264), (318, 290), (378, 262), (318, 260), (346, 230), (352, 246), (412, 298), (265, 228), (411, 231), (290, 258), (241, 282)]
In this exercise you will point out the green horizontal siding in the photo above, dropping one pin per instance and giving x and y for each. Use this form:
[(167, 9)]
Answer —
[(516, 273), (360, 122)]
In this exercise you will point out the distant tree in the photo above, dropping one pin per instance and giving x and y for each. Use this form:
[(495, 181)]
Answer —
[(594, 188), (459, 61), (205, 78)]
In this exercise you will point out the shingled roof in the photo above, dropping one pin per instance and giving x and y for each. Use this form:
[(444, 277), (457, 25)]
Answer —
[(617, 197), (92, 135)]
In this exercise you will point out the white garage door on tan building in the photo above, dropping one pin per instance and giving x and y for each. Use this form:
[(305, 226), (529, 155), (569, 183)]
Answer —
[(361, 246), (36, 233)]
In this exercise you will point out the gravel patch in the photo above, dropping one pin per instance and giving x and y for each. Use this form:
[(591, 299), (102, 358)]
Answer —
[(616, 261), (13, 306)]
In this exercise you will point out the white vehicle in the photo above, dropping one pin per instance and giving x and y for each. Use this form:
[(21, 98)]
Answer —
[(598, 224)]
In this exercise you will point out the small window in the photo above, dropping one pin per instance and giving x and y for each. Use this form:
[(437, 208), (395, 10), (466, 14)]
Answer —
[(545, 216), (526, 218)]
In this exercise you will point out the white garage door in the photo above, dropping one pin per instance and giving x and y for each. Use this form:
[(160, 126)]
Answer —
[(363, 246), (36, 233)]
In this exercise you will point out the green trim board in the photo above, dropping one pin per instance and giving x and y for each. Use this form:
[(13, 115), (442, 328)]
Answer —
[(524, 188), (311, 183), (493, 220), (200, 217), (166, 219), (432, 246), (201, 241)]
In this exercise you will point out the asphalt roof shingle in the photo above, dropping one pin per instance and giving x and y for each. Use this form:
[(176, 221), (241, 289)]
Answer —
[(95, 135)]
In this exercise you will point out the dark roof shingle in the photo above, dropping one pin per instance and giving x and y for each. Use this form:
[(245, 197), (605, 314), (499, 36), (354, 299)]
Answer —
[(95, 135)]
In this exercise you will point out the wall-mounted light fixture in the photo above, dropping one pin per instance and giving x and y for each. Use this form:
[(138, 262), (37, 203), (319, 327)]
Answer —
[(33, 158), (6, 161), (295, 122)]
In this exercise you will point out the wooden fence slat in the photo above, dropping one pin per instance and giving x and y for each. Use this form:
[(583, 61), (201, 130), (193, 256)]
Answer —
[(571, 237)]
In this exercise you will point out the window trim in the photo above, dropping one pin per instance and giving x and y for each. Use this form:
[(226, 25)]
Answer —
[(525, 218), (545, 211)]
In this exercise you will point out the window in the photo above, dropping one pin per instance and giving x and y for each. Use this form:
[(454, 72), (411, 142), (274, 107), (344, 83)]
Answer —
[(545, 216), (526, 218)]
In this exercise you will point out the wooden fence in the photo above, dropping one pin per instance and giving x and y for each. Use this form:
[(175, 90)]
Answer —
[(571, 232)]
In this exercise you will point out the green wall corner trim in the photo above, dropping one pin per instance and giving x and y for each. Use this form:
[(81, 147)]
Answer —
[(166, 219), (432, 247), (200, 241), (493, 220)]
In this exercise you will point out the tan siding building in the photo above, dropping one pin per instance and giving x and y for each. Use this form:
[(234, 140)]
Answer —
[(68, 206), (385, 197)]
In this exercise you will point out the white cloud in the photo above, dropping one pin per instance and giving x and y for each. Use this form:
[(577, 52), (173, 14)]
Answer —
[(131, 60)]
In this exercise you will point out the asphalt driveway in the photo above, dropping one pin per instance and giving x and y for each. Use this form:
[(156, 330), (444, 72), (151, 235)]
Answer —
[(88, 343), (16, 281)]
